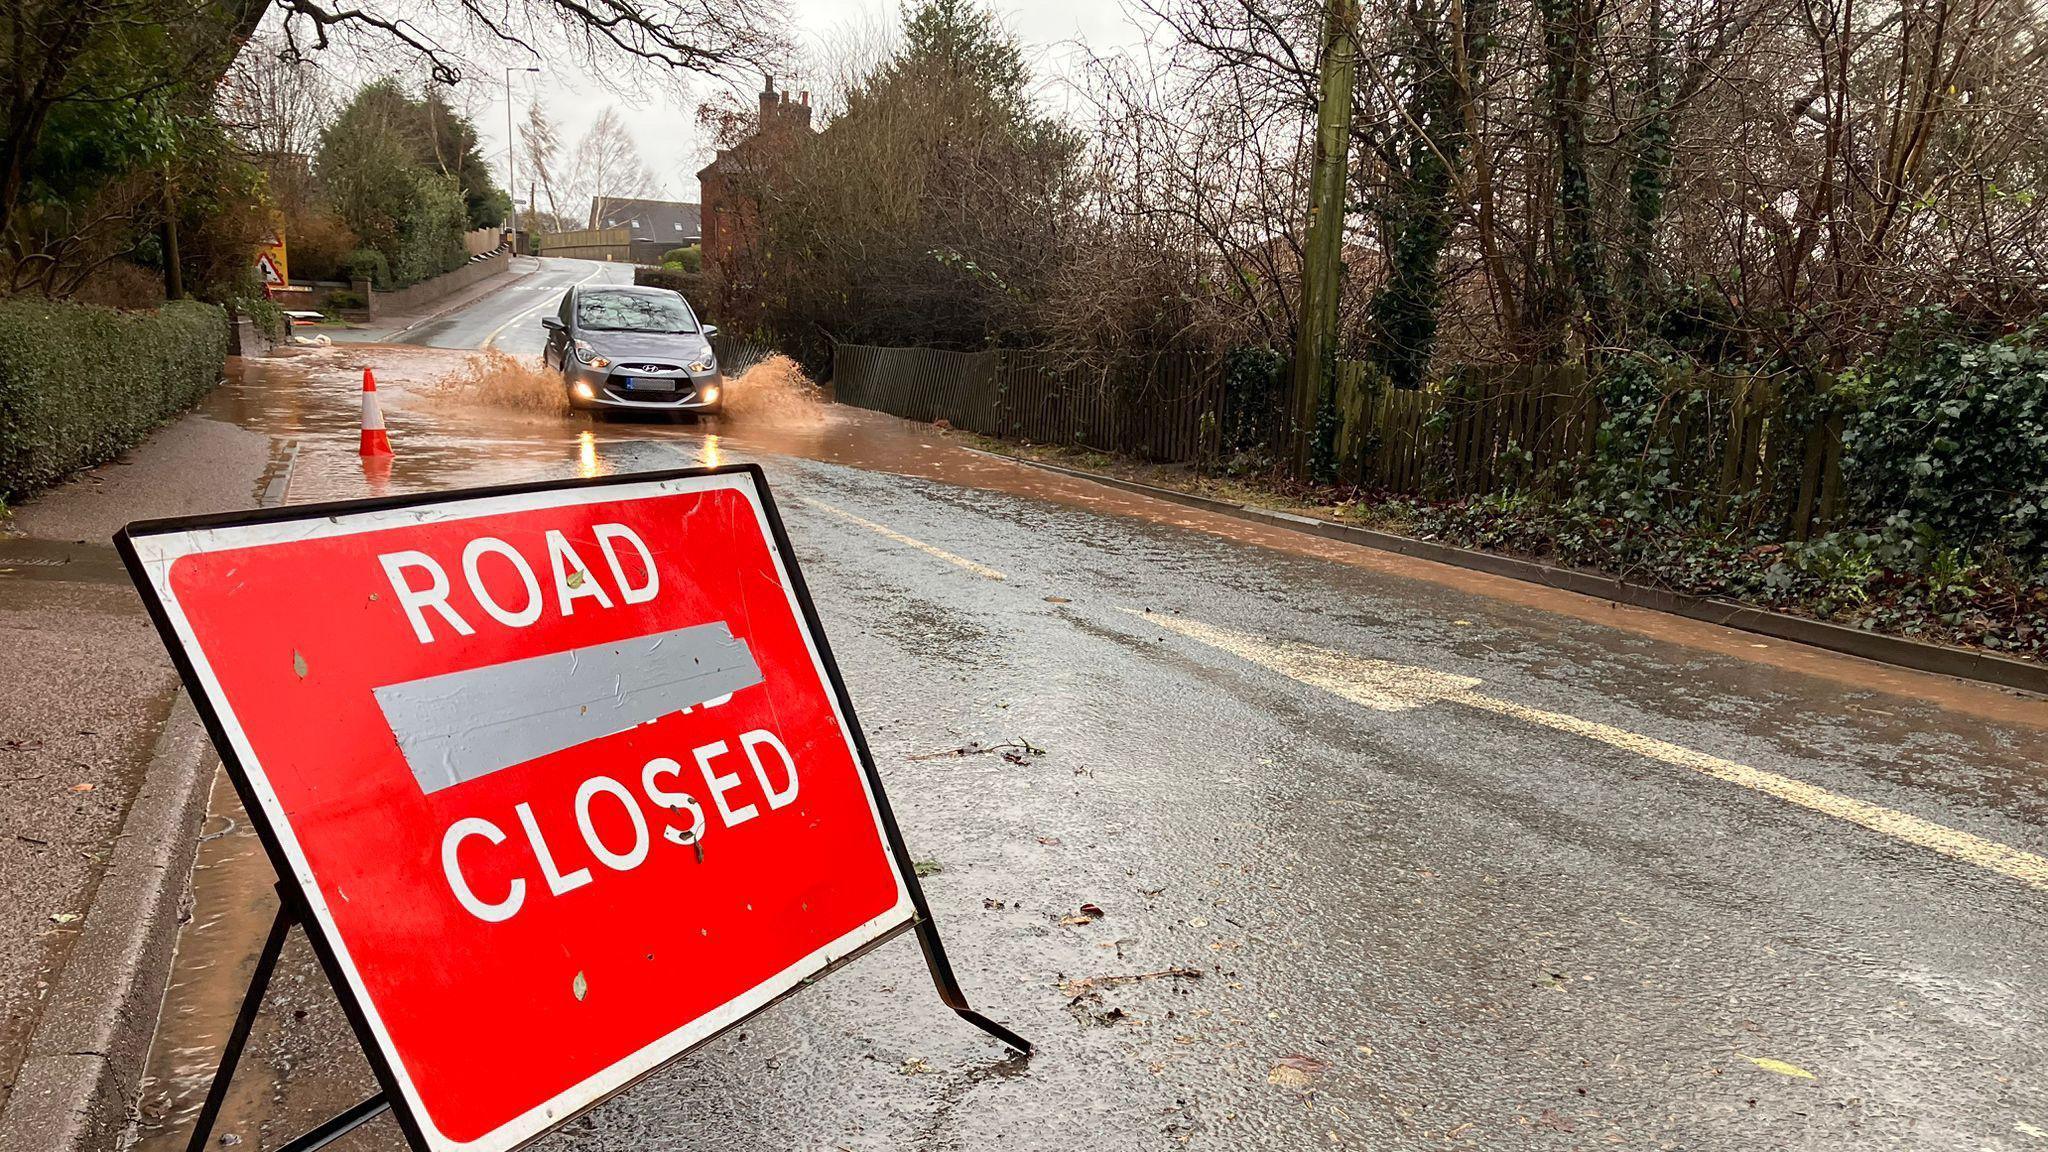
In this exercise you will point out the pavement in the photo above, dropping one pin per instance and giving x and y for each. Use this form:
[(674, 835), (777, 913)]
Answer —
[(86, 687), (1387, 854)]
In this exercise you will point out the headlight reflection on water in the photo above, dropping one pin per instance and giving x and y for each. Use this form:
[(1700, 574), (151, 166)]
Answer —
[(586, 454)]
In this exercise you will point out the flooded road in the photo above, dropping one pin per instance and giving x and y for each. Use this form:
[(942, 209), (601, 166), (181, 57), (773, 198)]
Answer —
[(1386, 855)]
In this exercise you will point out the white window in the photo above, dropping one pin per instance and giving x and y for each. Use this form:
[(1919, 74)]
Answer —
[(679, 227), (634, 224)]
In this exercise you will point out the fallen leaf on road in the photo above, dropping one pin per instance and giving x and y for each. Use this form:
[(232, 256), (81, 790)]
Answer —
[(28, 745), (579, 986), (1778, 1066), (82, 787), (1199, 922), (64, 918), (1049, 841), (1088, 914), (925, 868), (1057, 600), (916, 1066), (1088, 1009), (2026, 1129), (1295, 1071)]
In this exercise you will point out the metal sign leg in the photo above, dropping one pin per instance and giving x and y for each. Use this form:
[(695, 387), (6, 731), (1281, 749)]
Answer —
[(949, 986), (238, 1038), (231, 1053)]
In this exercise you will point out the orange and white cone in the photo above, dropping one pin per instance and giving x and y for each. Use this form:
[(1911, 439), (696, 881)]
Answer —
[(375, 442)]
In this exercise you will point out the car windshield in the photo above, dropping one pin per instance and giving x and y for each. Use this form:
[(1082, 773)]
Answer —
[(634, 312)]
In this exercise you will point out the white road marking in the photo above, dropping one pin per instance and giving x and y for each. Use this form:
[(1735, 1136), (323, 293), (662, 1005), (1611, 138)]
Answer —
[(1386, 686), (492, 339), (981, 570)]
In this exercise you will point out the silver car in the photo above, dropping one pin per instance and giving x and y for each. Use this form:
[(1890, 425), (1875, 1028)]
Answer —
[(623, 347)]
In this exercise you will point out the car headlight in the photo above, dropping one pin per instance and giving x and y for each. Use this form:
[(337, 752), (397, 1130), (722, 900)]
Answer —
[(585, 354), (704, 361)]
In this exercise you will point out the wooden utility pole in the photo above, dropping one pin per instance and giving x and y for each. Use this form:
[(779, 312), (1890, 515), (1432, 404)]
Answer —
[(174, 267), (1322, 267)]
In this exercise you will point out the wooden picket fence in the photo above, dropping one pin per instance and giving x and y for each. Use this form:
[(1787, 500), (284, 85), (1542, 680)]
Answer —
[(1726, 444)]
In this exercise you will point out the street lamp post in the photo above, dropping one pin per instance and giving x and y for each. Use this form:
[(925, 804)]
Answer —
[(512, 151)]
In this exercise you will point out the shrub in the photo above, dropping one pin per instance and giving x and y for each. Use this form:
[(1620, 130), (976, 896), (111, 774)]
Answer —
[(430, 234), (344, 300), (690, 284), (690, 259), (266, 315), (1252, 382), (1951, 437), (320, 244), (148, 367), (367, 264)]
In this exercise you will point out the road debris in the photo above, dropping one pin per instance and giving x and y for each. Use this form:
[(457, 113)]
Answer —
[(1012, 750), (1084, 983)]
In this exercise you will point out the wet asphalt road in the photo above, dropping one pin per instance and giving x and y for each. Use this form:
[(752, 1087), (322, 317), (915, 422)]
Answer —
[(509, 319), (1615, 887)]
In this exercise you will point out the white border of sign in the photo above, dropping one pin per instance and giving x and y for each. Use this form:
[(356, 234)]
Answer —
[(158, 550)]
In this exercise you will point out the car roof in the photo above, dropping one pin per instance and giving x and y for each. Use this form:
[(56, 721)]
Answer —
[(626, 289)]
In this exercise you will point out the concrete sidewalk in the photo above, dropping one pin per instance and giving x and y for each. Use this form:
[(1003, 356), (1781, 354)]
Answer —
[(88, 702), (392, 329)]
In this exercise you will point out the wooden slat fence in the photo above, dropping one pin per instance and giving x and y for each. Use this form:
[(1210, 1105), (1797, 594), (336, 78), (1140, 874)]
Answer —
[(1163, 406), (1723, 443)]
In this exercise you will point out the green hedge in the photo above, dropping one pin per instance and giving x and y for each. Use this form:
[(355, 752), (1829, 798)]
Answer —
[(693, 285), (80, 384)]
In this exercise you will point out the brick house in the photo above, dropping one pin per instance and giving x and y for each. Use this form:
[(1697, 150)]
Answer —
[(729, 185)]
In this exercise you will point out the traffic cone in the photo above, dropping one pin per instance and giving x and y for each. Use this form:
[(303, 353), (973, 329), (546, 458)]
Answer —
[(375, 442)]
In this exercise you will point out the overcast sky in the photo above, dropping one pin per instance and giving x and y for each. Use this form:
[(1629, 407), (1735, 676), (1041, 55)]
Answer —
[(667, 134)]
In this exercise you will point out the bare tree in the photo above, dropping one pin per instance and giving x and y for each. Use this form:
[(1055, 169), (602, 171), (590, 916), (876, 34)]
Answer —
[(278, 106), (1546, 179), (541, 141), (606, 164)]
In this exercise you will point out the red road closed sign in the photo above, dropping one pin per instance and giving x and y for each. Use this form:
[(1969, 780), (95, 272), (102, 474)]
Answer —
[(563, 776)]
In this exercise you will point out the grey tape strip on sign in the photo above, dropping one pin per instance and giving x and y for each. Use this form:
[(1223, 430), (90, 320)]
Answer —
[(462, 725)]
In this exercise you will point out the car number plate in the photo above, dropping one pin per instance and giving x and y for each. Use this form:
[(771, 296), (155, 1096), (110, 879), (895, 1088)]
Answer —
[(649, 384)]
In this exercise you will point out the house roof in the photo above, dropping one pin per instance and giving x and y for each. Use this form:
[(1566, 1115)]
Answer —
[(653, 219)]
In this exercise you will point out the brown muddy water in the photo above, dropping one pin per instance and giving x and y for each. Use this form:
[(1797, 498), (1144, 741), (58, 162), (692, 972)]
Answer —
[(233, 902)]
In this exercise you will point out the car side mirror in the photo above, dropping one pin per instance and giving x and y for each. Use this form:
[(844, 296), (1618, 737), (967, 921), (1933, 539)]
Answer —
[(551, 323), (710, 330)]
